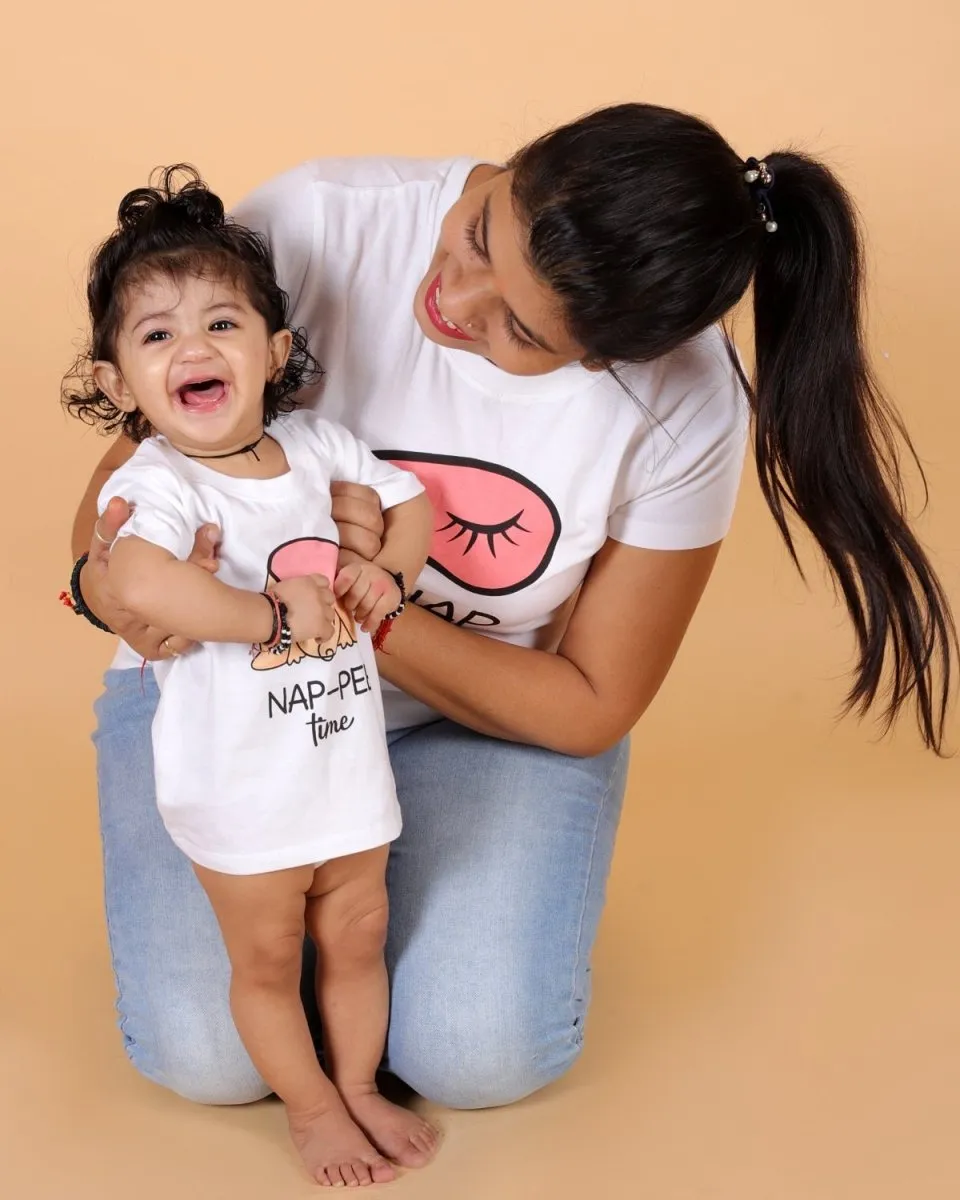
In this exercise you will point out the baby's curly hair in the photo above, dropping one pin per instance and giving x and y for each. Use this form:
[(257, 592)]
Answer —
[(177, 227)]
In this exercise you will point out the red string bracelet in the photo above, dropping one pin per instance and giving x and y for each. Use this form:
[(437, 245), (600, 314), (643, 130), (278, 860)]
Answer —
[(383, 632)]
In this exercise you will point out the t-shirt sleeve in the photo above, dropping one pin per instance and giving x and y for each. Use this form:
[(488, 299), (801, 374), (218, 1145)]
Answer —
[(352, 461), (292, 210), (282, 211), (161, 512), (680, 494)]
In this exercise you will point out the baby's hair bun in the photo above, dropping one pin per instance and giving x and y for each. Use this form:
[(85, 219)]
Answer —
[(178, 194)]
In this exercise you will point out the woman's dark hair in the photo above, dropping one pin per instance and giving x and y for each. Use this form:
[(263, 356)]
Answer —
[(642, 221), (177, 227)]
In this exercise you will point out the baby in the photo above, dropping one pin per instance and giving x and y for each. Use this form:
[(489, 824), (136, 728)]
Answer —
[(271, 763)]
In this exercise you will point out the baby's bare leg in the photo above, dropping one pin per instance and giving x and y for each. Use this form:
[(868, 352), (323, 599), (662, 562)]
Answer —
[(262, 921), (347, 919)]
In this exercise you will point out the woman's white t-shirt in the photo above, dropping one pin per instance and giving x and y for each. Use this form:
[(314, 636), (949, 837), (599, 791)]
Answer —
[(266, 761), (528, 475)]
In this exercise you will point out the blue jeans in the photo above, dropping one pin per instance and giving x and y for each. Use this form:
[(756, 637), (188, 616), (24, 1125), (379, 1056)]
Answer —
[(496, 887)]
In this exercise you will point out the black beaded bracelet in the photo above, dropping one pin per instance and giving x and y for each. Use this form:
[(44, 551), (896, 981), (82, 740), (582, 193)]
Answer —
[(74, 597), (285, 640), (397, 577)]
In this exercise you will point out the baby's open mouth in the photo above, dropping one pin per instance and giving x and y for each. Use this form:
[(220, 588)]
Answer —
[(203, 394)]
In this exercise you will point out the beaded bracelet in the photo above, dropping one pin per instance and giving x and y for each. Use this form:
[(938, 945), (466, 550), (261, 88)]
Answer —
[(286, 637), (397, 577), (383, 629), (74, 597), (281, 637), (275, 630)]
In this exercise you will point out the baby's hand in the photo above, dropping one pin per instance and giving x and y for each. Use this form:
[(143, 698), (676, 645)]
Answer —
[(368, 592), (309, 602)]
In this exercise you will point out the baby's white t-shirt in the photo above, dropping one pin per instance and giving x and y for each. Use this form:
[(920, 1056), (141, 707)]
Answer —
[(528, 475), (268, 761)]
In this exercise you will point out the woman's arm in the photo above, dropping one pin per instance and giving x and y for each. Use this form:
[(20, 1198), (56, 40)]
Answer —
[(630, 618), (85, 520), (95, 578)]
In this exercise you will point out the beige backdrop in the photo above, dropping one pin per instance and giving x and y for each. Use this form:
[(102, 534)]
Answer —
[(776, 1010)]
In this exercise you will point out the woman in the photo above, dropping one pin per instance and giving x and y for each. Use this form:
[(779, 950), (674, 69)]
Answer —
[(562, 391)]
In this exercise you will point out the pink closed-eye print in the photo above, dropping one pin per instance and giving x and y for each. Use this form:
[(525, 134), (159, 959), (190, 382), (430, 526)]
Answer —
[(494, 531), (305, 556)]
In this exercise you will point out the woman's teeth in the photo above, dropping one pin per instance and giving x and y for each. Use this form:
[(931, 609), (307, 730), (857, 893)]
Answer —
[(443, 318)]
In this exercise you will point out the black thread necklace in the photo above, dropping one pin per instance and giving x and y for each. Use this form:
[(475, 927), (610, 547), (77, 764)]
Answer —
[(250, 448)]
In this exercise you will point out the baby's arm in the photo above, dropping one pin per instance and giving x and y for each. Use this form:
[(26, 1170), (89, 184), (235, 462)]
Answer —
[(170, 594), (179, 596), (368, 589), (407, 529)]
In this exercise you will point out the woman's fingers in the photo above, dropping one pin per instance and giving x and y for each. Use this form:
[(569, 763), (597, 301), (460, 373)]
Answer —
[(114, 516), (206, 549), (173, 646), (359, 519)]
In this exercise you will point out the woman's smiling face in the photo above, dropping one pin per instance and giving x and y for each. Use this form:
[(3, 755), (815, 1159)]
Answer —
[(480, 292)]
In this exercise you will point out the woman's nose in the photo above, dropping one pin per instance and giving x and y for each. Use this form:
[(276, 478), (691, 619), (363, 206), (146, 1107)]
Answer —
[(465, 297)]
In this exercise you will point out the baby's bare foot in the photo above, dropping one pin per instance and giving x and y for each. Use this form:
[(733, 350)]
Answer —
[(335, 1152), (402, 1136)]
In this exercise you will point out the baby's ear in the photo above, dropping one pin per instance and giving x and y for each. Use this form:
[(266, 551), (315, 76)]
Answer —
[(280, 346), (109, 380)]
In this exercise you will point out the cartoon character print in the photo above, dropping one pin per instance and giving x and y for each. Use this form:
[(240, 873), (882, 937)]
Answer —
[(306, 556), (495, 531)]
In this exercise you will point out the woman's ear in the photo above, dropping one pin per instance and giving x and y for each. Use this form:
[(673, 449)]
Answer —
[(594, 364), (280, 344), (108, 379)]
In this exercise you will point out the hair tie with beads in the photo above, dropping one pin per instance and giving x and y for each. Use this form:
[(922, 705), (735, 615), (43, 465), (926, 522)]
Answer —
[(760, 179)]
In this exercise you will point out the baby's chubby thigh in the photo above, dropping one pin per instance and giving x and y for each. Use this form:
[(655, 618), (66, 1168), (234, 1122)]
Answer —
[(347, 908), (262, 921)]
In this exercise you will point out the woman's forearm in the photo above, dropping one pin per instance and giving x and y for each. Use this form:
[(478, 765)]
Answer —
[(502, 690), (612, 658)]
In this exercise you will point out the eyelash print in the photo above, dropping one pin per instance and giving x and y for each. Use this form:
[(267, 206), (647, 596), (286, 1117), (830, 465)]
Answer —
[(502, 529)]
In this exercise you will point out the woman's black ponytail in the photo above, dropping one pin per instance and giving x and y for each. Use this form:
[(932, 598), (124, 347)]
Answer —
[(649, 228), (827, 445)]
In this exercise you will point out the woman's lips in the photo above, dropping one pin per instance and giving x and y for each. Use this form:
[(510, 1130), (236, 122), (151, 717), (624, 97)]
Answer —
[(431, 302)]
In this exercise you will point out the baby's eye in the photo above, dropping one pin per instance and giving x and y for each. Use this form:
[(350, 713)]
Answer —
[(156, 335), (222, 324)]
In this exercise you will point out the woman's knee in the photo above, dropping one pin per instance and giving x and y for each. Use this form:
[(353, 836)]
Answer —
[(462, 1061), (199, 1060)]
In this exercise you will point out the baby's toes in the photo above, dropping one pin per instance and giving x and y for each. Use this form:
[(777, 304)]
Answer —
[(381, 1171)]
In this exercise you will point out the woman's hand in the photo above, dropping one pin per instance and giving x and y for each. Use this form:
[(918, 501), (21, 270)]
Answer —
[(359, 519), (150, 643)]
